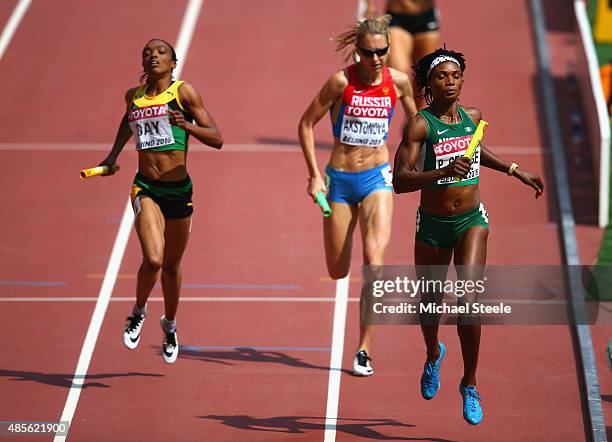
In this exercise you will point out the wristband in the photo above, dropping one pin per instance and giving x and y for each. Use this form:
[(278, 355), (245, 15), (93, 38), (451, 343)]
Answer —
[(513, 167)]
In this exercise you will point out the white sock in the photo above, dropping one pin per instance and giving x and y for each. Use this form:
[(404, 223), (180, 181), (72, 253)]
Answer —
[(140, 311), (168, 326)]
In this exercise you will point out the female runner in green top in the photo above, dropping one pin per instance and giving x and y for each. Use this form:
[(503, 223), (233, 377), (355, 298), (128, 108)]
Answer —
[(451, 219)]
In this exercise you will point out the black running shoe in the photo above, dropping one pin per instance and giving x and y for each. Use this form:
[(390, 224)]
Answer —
[(170, 346), (361, 364)]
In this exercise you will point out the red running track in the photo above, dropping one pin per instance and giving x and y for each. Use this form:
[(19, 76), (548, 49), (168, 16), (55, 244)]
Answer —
[(522, 370), (250, 370)]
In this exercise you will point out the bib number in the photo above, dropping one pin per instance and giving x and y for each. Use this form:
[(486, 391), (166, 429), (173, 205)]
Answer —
[(370, 132), (450, 150), (151, 126)]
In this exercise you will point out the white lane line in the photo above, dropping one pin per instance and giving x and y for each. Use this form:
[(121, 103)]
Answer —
[(606, 305), (98, 316), (185, 35), (190, 19), (600, 109), (335, 364), (12, 24), (237, 147), (362, 8), (197, 147), (183, 299)]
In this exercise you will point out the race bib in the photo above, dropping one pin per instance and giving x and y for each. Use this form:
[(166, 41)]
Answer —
[(366, 121), (151, 126), (447, 151)]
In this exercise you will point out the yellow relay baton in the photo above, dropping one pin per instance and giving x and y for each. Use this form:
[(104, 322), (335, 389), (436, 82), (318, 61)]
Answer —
[(475, 142), (96, 171)]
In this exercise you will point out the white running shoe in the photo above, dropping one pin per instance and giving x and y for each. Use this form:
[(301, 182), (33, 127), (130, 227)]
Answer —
[(170, 347), (131, 332), (361, 364)]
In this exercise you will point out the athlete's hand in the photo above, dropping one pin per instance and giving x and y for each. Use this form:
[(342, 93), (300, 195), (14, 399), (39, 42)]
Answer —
[(460, 167), (315, 185), (110, 162), (177, 119), (532, 180)]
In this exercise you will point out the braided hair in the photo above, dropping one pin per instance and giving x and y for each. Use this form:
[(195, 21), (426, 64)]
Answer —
[(422, 70)]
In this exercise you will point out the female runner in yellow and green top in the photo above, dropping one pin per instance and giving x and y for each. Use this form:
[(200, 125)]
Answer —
[(162, 113)]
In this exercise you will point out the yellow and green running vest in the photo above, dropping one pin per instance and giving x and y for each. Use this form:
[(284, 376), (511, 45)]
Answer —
[(150, 123)]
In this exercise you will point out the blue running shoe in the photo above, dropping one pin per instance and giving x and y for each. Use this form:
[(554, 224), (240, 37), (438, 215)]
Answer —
[(430, 379), (472, 411)]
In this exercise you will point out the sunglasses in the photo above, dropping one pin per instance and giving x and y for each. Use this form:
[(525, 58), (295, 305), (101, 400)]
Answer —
[(370, 52)]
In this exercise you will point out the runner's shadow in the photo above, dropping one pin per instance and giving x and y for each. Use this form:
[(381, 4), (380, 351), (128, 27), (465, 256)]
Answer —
[(246, 354), (65, 379), (299, 424)]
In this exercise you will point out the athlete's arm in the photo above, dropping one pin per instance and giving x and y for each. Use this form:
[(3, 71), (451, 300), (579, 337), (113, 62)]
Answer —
[(492, 161), (205, 129), (327, 96), (405, 176), (403, 89), (123, 134)]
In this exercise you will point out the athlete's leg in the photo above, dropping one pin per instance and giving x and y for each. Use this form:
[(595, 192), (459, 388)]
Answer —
[(176, 236), (149, 224), (400, 49), (400, 55), (338, 238), (375, 215), (425, 43), (471, 256), (432, 263)]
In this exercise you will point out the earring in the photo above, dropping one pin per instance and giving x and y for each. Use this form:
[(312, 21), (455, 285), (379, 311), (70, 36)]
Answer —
[(356, 57)]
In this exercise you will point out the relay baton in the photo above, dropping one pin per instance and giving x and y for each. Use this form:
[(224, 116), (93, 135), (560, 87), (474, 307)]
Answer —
[(95, 171), (475, 141), (322, 201)]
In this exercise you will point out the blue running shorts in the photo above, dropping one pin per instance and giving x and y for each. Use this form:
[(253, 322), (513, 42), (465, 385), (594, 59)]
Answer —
[(354, 187)]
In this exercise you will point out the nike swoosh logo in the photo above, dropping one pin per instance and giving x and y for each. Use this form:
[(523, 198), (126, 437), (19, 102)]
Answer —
[(135, 339), (359, 91), (167, 354), (440, 132)]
